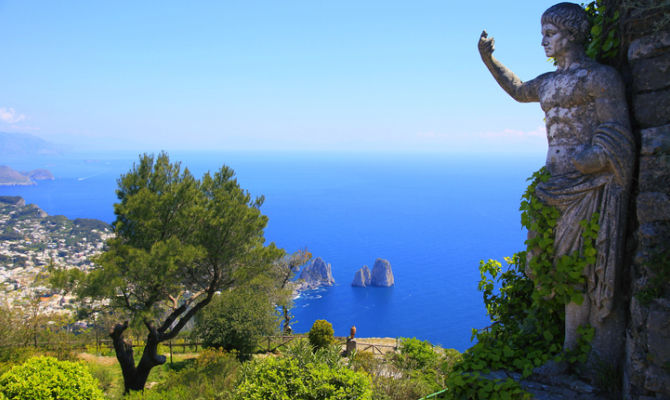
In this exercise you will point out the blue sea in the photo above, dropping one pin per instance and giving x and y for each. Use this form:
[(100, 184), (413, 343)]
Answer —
[(434, 217)]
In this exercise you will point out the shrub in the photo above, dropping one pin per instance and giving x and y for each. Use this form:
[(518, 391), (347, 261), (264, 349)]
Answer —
[(321, 334), (211, 376), (416, 354), (284, 378), (46, 378), (302, 351), (236, 320)]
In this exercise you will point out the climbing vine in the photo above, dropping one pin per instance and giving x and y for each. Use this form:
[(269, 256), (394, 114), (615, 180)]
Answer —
[(604, 40), (527, 314), (554, 278)]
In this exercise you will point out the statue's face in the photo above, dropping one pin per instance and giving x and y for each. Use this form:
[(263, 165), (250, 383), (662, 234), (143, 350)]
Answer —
[(554, 40)]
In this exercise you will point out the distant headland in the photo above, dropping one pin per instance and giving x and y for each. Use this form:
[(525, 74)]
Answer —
[(10, 177)]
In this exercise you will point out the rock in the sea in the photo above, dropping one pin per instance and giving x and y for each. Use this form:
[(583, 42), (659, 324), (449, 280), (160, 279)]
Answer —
[(317, 274), (362, 277), (382, 275)]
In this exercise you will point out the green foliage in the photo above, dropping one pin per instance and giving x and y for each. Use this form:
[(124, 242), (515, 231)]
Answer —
[(581, 351), (302, 351), (416, 354), (291, 378), (177, 235), (604, 40), (211, 376), (659, 276), (283, 272), (321, 334), (419, 370), (178, 241), (236, 320), (555, 279), (526, 314), (45, 378)]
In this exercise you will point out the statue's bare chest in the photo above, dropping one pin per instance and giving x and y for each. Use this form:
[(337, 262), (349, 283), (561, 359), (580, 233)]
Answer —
[(570, 115), (564, 90)]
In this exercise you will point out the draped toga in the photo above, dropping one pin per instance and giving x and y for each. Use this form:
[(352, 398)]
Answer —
[(577, 196)]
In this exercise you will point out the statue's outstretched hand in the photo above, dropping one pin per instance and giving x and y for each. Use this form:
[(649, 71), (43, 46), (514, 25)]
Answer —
[(486, 45)]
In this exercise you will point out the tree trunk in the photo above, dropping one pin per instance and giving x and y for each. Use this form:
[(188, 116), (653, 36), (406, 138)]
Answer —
[(134, 378)]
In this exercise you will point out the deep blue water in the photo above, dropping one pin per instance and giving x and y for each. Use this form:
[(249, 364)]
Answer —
[(432, 216)]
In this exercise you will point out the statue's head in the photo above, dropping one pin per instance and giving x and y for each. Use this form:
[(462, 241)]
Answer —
[(570, 18)]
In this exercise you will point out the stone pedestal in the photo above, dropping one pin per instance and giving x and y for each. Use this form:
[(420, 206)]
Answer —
[(351, 347)]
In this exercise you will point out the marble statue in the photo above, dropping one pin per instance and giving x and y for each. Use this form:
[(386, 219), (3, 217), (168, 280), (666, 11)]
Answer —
[(590, 158)]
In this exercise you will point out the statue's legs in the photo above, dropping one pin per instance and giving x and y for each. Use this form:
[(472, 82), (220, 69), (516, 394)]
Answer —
[(575, 316)]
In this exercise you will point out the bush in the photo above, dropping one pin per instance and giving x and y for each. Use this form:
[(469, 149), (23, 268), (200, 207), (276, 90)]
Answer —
[(416, 354), (211, 376), (46, 378), (284, 378), (236, 320), (321, 334)]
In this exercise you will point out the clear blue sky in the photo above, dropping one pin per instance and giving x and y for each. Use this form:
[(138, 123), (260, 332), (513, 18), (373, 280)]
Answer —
[(269, 75)]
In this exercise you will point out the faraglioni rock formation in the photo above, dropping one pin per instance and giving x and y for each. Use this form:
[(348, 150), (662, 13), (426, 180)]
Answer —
[(362, 277), (382, 275), (316, 274)]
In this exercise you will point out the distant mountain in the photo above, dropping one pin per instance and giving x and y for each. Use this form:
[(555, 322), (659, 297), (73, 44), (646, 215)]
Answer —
[(10, 177), (23, 144), (40, 174)]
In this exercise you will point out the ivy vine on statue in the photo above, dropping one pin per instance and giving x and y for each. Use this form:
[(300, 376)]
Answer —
[(590, 159)]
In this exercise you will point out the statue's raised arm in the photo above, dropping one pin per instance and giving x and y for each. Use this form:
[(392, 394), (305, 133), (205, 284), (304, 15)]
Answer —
[(524, 92)]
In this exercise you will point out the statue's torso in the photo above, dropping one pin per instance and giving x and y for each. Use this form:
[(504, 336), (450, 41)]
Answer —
[(571, 117)]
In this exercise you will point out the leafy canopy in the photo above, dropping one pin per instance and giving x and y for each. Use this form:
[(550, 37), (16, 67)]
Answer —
[(237, 320), (178, 241)]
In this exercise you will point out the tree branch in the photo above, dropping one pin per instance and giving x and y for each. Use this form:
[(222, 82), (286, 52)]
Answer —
[(184, 319)]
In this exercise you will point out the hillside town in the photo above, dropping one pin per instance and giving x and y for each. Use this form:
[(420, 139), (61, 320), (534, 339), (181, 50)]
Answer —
[(32, 241)]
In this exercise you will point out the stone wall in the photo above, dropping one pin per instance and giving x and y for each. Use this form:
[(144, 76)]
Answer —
[(647, 364)]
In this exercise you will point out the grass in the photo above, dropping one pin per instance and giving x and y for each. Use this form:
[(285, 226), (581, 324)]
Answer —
[(106, 369)]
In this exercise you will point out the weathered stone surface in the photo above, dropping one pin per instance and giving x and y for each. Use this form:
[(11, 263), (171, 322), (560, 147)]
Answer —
[(658, 335), (652, 108), (653, 206), (382, 275), (556, 387), (653, 235), (649, 46), (655, 140), (657, 380), (651, 73), (655, 173), (362, 277), (317, 274)]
